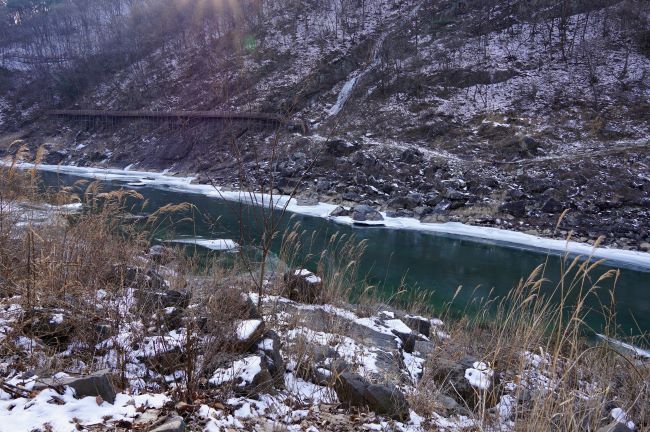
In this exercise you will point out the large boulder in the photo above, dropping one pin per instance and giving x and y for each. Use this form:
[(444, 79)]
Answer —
[(97, 384), (303, 286), (365, 213), (387, 399), (384, 399), (349, 388)]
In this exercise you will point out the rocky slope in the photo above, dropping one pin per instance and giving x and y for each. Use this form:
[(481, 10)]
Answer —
[(498, 113)]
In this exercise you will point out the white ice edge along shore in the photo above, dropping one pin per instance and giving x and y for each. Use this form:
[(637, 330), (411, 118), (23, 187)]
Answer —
[(506, 237)]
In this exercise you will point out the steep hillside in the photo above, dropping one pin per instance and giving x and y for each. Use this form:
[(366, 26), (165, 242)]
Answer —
[(501, 112)]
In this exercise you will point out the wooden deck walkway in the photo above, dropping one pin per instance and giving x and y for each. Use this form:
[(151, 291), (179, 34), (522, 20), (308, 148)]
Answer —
[(182, 116)]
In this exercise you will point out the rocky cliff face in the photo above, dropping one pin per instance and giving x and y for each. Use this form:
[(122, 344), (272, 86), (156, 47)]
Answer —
[(500, 113)]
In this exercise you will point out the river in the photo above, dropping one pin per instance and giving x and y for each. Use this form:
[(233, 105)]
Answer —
[(434, 262)]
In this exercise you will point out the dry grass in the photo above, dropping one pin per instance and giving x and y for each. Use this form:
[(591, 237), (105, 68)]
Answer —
[(65, 267), (575, 384)]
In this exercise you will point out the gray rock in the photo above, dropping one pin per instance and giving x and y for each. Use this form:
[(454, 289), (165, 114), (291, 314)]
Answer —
[(514, 208), (424, 347), (552, 206), (432, 199), (243, 345), (174, 424), (340, 211), (308, 200), (351, 196), (449, 406), (383, 399), (516, 194), (387, 399), (269, 347), (408, 340), (97, 384), (363, 212), (443, 206), (159, 254), (614, 427), (418, 324), (450, 376), (302, 286), (454, 195), (350, 388), (56, 157), (341, 147), (136, 277), (151, 300), (400, 213), (411, 156), (408, 202), (422, 211)]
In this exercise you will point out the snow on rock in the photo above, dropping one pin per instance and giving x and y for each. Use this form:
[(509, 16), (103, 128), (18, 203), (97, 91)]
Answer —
[(308, 276), (506, 406), (313, 279), (398, 325), (245, 329), (306, 391), (620, 416), (56, 318), (479, 375), (243, 370), (353, 353)]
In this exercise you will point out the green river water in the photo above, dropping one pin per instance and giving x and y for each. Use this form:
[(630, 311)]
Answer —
[(437, 263)]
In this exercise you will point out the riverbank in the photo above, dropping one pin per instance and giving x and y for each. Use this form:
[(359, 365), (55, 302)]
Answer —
[(512, 238), (126, 337), (168, 347)]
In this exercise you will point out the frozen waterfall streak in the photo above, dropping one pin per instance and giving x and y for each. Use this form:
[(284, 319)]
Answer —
[(349, 85)]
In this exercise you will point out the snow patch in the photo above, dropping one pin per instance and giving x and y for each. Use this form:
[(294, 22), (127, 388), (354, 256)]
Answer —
[(479, 375), (243, 370)]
